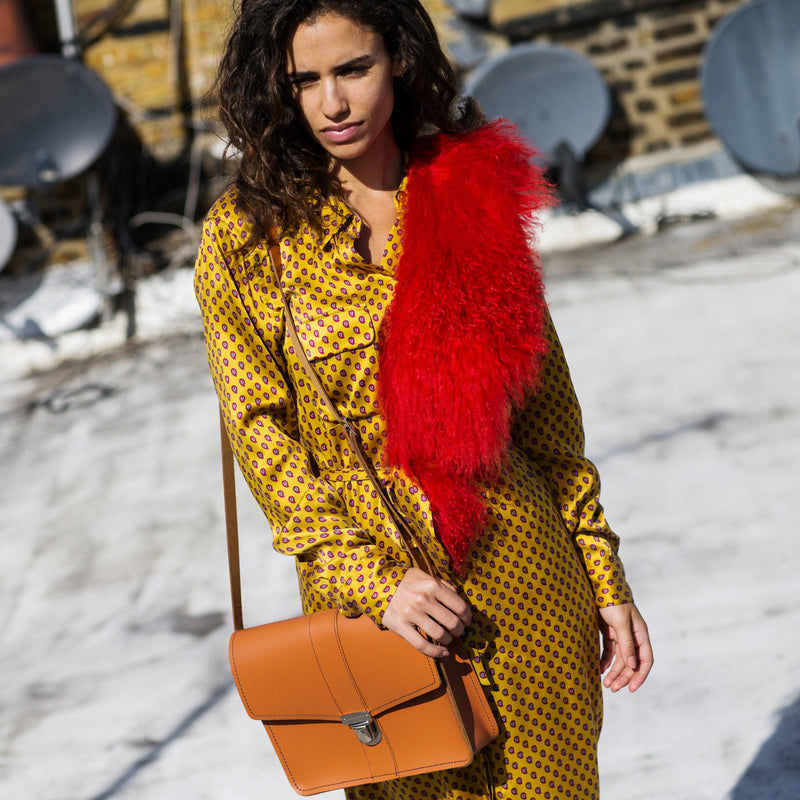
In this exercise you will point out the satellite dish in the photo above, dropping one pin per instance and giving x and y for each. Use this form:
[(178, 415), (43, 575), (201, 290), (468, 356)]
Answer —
[(8, 233), (555, 96), (750, 82), (56, 118)]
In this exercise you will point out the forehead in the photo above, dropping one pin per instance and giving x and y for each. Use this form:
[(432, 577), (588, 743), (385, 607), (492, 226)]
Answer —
[(331, 39)]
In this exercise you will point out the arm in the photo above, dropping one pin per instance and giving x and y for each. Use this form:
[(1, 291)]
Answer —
[(550, 430), (307, 515)]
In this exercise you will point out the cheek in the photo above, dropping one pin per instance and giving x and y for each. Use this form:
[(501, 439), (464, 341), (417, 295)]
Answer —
[(305, 105), (382, 100)]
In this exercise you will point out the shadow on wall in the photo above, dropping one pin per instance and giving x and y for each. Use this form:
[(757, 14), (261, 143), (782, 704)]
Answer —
[(774, 773)]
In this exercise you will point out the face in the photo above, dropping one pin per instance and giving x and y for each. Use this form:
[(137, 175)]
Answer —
[(342, 79)]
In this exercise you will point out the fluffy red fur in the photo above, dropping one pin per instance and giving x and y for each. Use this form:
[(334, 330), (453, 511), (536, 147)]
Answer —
[(463, 340)]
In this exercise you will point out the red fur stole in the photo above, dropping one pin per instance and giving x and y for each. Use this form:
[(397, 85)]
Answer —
[(463, 340)]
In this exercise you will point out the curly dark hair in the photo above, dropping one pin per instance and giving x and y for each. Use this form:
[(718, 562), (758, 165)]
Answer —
[(284, 175)]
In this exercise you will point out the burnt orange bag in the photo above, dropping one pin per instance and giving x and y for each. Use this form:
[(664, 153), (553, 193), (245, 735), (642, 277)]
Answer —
[(345, 702)]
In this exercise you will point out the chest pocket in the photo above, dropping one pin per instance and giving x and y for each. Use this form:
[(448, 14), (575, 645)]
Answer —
[(341, 348), (336, 332)]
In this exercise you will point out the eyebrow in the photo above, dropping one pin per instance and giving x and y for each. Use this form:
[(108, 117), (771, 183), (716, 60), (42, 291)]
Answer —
[(358, 61)]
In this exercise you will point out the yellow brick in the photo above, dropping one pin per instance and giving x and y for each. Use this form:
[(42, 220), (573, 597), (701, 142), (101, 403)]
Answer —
[(689, 94), (505, 11), (153, 71)]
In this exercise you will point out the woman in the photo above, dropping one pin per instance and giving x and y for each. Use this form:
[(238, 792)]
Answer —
[(403, 222)]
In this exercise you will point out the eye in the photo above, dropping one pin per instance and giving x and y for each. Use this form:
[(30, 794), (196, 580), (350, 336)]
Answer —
[(303, 81), (355, 71)]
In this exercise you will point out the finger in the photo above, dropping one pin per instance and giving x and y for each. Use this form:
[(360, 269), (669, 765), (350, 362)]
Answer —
[(424, 606), (441, 625), (619, 676), (452, 623), (417, 640), (449, 597), (424, 609), (434, 631), (637, 679), (617, 670), (607, 653), (645, 665), (429, 627), (620, 673), (626, 645), (606, 645)]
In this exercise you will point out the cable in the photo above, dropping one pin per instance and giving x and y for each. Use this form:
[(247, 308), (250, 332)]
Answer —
[(106, 19)]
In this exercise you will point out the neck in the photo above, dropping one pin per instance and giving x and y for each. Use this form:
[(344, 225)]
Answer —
[(378, 170)]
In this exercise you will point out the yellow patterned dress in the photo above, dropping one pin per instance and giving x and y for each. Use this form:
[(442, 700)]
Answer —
[(541, 568)]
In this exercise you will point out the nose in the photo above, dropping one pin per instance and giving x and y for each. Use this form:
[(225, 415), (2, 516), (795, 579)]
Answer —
[(334, 103)]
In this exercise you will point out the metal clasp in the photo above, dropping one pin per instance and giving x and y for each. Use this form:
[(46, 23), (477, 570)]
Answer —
[(364, 726), (349, 431)]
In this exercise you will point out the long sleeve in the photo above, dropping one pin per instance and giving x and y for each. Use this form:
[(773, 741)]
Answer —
[(549, 429), (244, 326)]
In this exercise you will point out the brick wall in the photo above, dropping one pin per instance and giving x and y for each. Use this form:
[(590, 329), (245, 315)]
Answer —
[(649, 52), (156, 69)]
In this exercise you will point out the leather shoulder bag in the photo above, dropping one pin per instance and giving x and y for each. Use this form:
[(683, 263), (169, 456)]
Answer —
[(344, 701)]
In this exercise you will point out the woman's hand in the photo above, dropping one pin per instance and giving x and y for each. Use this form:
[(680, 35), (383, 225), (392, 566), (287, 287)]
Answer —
[(626, 642), (426, 606)]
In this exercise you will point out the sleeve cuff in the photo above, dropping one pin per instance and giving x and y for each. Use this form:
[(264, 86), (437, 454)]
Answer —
[(372, 589), (605, 571)]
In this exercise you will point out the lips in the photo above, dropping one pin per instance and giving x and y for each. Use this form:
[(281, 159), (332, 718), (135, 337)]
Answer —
[(341, 134)]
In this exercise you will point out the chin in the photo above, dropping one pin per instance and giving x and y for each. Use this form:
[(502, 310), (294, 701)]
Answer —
[(347, 152)]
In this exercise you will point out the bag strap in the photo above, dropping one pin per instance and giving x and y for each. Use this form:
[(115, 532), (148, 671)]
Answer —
[(231, 524), (411, 543)]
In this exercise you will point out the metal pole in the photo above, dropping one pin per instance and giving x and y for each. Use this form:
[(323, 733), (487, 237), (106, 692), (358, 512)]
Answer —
[(65, 19)]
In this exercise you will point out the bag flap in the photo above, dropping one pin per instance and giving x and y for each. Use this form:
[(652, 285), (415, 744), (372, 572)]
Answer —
[(325, 665)]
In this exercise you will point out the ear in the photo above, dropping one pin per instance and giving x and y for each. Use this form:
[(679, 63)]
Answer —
[(398, 67)]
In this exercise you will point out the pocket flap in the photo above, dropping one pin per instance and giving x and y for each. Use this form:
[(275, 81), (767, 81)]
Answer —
[(325, 665), (336, 332)]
